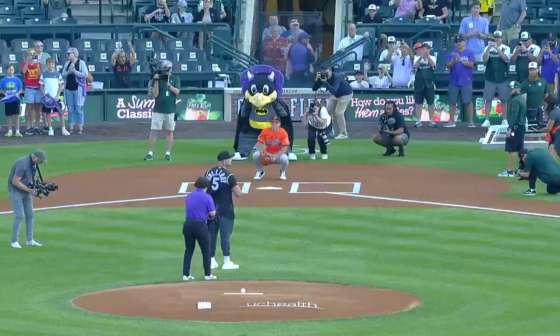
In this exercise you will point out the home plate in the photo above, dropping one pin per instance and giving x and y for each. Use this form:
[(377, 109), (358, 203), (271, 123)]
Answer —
[(269, 188)]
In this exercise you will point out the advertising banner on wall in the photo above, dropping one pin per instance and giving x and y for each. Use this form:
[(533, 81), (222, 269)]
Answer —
[(128, 107)]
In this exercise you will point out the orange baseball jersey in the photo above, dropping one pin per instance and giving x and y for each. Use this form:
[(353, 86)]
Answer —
[(274, 141)]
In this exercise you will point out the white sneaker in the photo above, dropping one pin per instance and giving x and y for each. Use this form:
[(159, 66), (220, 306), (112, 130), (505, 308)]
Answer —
[(325, 156), (486, 123), (282, 175), (214, 264), (504, 123), (311, 156), (51, 132), (342, 136), (33, 243), (506, 174), (259, 175), (16, 245), (65, 132), (210, 277), (230, 266), (188, 278), (450, 124)]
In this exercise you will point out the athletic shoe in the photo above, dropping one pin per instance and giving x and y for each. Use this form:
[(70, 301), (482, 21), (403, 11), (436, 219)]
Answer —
[(325, 156), (167, 157), (51, 132), (188, 277), (9, 134), (259, 175), (401, 152), (149, 157), (389, 152), (486, 123), (45, 130), (230, 266), (432, 124), (342, 137), (210, 277), (472, 125), (530, 192), (33, 243), (450, 124), (18, 135), (80, 131), (504, 123), (507, 173), (311, 156), (214, 264), (29, 131), (418, 124), (65, 132), (16, 245), (282, 175), (37, 131)]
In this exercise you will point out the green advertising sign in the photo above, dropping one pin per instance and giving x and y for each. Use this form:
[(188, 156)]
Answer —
[(367, 107), (139, 107), (93, 111)]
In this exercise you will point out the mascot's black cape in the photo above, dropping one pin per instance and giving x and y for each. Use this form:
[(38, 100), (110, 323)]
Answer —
[(262, 86)]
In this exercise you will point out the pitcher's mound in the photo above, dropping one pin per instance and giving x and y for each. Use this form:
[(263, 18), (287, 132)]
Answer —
[(261, 301)]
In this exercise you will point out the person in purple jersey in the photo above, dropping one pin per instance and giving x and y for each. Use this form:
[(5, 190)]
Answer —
[(547, 59), (460, 63)]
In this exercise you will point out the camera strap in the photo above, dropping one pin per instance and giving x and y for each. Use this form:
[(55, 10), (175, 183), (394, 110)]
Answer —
[(40, 176)]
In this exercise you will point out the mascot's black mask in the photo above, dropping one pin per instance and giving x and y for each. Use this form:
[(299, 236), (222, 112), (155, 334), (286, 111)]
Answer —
[(262, 90)]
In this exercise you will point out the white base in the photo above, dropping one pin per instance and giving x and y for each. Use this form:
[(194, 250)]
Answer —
[(204, 305)]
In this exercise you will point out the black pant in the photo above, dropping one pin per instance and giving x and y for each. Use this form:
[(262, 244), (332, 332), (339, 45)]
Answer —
[(552, 184), (224, 225), (316, 134), (193, 231), (535, 116)]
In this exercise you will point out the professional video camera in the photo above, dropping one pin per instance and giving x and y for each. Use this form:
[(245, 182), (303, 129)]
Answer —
[(158, 68), (41, 187)]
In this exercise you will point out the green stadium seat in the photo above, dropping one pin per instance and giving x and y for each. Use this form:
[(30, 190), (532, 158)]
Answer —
[(27, 3), (32, 12), (63, 21), (11, 21), (56, 45), (22, 44), (148, 44), (37, 21), (549, 13), (179, 44)]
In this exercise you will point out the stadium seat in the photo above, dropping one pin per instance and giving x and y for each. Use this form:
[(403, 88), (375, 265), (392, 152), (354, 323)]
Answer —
[(63, 21), (385, 12), (8, 11), (427, 20), (352, 66), (398, 20), (480, 67), (112, 45), (535, 3), (141, 67), (531, 14), (192, 56), (541, 21), (137, 4), (11, 21), (179, 44), (440, 61), (21, 44), (87, 45), (148, 44), (3, 46), (142, 56), (549, 13), (553, 3), (37, 21), (163, 56), (56, 44), (13, 58), (59, 56), (100, 57), (99, 67), (213, 66), (180, 67), (31, 12), (27, 3), (5, 3)]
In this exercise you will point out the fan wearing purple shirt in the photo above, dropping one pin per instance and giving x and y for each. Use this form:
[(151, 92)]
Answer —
[(460, 62), (547, 59)]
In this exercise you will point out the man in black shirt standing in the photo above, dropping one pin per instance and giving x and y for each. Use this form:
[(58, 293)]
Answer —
[(222, 185), (392, 130)]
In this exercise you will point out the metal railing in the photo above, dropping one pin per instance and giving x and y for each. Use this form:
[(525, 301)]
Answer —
[(340, 55)]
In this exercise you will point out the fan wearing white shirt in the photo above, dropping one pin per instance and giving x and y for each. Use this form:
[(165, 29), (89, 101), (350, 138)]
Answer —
[(182, 16), (391, 49), (360, 83), (383, 80), (348, 40), (318, 123)]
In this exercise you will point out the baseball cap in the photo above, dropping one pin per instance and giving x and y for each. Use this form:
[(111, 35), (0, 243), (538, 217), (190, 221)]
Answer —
[(303, 35), (533, 65), (225, 155), (275, 119), (514, 85), (391, 39), (523, 151), (498, 33), (182, 3), (294, 22), (525, 36), (417, 45), (372, 7), (427, 44), (359, 72), (458, 38), (41, 155)]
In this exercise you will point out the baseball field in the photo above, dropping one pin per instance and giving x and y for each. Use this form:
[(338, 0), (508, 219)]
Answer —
[(433, 244)]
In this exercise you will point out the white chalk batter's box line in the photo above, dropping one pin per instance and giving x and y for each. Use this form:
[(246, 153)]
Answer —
[(294, 189)]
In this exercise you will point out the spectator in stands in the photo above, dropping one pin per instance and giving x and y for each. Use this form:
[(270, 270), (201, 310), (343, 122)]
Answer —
[(75, 74), (301, 57), (360, 83), (372, 16), (406, 8), (274, 48), (402, 66), (42, 56), (475, 30), (52, 85), (424, 86), (383, 80), (182, 16), (391, 49), (513, 13), (430, 8), (536, 90), (496, 55), (158, 14), (220, 10), (272, 24), (460, 63), (11, 88), (348, 40), (122, 67), (206, 15), (487, 9), (56, 8), (31, 70), (294, 31), (525, 52), (547, 58)]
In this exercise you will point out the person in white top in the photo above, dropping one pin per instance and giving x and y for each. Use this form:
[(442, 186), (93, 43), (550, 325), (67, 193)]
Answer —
[(360, 83), (348, 40), (318, 123), (392, 48), (402, 66), (182, 16), (383, 80)]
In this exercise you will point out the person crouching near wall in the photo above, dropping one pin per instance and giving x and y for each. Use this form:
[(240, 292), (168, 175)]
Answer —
[(392, 130), (318, 123)]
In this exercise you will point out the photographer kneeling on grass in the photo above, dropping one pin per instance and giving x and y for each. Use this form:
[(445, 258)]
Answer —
[(164, 88), (392, 130)]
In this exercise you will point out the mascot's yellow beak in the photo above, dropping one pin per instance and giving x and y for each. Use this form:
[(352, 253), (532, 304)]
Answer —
[(260, 100)]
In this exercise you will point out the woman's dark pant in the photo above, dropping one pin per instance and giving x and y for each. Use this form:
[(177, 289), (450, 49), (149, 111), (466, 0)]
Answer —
[(552, 185), (196, 231), (315, 134)]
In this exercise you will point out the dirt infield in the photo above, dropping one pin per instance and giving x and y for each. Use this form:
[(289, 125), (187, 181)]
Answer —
[(159, 186), (262, 301)]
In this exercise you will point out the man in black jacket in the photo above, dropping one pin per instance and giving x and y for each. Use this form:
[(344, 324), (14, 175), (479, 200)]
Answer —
[(372, 16)]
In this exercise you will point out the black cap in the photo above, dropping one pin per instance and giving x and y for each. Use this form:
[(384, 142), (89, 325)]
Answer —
[(225, 155), (458, 38), (523, 151)]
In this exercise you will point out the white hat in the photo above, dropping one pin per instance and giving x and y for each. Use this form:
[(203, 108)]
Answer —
[(372, 7), (533, 65), (391, 39)]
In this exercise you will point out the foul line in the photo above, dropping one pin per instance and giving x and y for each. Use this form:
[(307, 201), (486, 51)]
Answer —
[(243, 293), (450, 205), (101, 203)]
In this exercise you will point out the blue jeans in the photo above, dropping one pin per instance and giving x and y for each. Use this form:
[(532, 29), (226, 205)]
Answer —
[(22, 204), (75, 112)]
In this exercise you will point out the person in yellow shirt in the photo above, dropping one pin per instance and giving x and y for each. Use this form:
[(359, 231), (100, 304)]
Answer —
[(487, 9)]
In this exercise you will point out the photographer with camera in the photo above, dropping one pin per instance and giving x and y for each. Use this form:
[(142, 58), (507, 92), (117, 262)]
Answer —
[(548, 57), (341, 96), (21, 188), (164, 88), (318, 123), (526, 52), (392, 130)]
